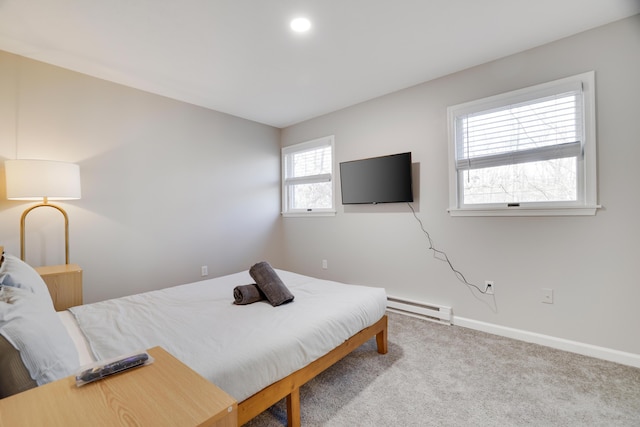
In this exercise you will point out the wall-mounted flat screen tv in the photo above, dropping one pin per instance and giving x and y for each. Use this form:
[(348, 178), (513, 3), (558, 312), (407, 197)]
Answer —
[(385, 179)]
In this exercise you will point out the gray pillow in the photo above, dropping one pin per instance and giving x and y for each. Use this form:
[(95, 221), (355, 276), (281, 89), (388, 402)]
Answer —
[(31, 325), (18, 274)]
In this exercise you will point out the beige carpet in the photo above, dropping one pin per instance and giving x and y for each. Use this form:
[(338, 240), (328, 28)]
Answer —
[(438, 375)]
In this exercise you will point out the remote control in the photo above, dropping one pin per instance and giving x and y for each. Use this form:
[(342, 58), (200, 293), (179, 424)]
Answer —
[(113, 368)]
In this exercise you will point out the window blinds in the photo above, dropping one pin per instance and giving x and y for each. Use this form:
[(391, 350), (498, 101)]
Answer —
[(543, 128), (309, 166)]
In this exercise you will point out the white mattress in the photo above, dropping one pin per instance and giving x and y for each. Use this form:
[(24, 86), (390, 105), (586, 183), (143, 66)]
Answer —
[(242, 349)]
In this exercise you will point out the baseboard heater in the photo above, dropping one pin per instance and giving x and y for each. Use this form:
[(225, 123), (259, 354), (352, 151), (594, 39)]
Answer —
[(436, 313)]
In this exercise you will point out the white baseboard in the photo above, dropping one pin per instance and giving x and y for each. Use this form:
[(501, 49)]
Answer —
[(604, 353)]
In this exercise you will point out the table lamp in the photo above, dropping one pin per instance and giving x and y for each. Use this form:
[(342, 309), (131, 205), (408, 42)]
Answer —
[(42, 180)]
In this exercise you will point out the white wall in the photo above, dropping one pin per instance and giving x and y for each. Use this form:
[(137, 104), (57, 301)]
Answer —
[(167, 187), (590, 262)]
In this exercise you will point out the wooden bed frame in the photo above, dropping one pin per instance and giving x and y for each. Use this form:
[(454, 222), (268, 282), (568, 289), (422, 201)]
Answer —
[(289, 387)]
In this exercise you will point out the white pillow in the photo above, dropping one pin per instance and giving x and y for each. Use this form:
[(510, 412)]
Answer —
[(33, 327), (18, 274)]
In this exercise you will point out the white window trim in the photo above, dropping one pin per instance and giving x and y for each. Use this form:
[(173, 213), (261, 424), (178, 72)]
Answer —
[(587, 182), (327, 140)]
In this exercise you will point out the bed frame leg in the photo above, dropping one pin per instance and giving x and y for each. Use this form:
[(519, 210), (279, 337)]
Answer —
[(381, 338), (293, 408)]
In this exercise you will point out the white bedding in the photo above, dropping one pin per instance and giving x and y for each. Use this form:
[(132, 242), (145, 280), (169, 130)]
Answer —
[(242, 349), (80, 342)]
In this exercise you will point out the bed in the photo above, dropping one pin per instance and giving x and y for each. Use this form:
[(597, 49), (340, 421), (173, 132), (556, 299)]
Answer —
[(257, 353)]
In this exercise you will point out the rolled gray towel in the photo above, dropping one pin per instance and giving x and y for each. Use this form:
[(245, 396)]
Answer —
[(270, 284), (247, 294)]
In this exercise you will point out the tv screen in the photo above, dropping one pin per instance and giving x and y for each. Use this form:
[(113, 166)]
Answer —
[(385, 179)]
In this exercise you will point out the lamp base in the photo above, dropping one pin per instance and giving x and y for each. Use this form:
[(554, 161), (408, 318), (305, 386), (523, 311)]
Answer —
[(66, 229)]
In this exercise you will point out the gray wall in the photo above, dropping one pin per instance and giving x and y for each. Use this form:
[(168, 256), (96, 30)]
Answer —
[(590, 262), (167, 187)]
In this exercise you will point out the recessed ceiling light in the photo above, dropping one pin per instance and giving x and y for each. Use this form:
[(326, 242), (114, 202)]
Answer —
[(300, 25)]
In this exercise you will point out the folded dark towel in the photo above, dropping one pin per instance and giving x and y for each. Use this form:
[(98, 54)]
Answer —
[(270, 284), (247, 294)]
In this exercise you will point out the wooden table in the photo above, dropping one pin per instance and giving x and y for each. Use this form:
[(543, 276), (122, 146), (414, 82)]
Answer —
[(164, 393)]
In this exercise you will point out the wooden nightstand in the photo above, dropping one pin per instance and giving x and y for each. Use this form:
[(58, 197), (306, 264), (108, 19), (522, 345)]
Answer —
[(164, 393), (65, 284)]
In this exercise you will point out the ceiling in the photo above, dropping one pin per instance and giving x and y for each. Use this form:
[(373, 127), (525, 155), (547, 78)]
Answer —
[(240, 57)]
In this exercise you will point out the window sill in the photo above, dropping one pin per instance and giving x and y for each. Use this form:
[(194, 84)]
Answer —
[(526, 211), (308, 214)]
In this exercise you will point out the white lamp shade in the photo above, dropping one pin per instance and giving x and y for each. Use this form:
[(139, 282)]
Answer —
[(37, 179)]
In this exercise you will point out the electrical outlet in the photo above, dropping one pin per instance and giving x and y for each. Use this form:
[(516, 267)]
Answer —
[(325, 265), (489, 287), (204, 271), (547, 295)]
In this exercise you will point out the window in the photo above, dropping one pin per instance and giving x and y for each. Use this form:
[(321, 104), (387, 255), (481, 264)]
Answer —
[(307, 178), (527, 152)]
